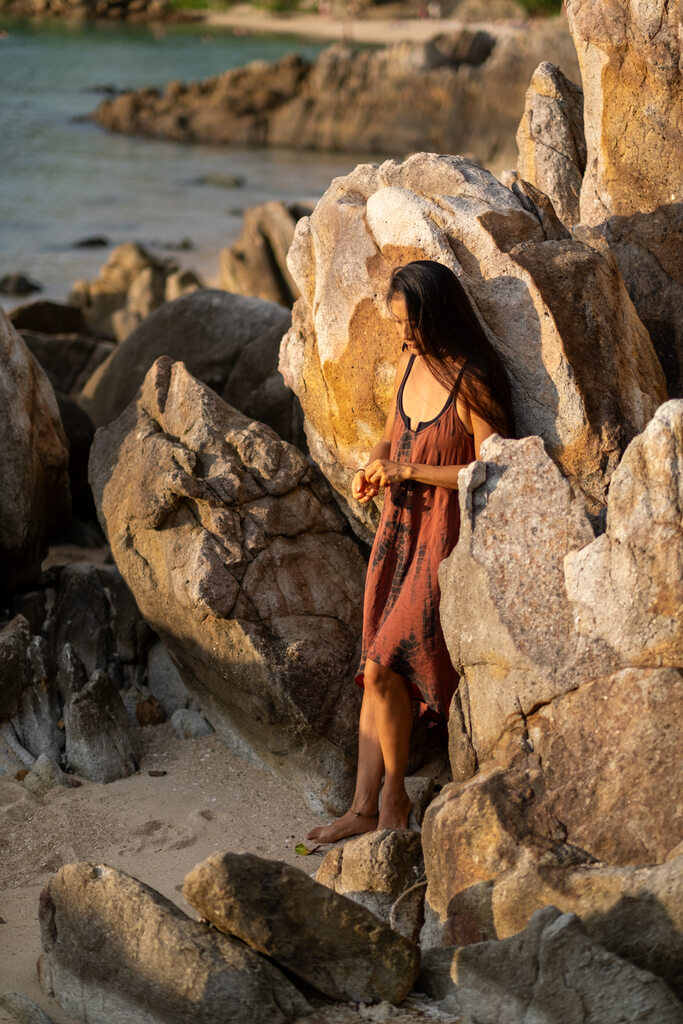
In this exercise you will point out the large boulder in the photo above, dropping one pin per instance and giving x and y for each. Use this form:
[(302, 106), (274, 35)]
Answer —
[(114, 949), (35, 499), (552, 971), (239, 559), (256, 264), (626, 587), (551, 142), (130, 285), (536, 295), (630, 68), (330, 942), (217, 335)]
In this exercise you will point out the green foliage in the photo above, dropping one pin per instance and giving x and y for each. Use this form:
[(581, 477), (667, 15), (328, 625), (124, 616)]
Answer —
[(541, 6)]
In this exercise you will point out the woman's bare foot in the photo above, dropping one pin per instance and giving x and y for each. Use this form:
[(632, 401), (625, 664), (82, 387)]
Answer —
[(350, 824), (395, 810)]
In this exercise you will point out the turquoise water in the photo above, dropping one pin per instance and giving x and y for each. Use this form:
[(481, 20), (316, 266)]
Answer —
[(62, 180)]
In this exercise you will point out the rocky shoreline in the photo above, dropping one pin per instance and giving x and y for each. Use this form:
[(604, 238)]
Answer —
[(544, 848), (458, 91)]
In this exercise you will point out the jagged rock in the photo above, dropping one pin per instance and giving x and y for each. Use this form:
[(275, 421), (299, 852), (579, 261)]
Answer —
[(36, 720), (565, 800), (207, 329), (13, 757), (33, 462), (44, 776), (14, 674), (164, 680), (374, 871), (506, 617), (551, 971), (551, 142), (100, 742), (536, 297), (18, 284), (69, 360), (23, 1009), (327, 940), (257, 263), (48, 318), (238, 559), (181, 283), (81, 616), (635, 912), (132, 282), (539, 205), (626, 587), (396, 99), (188, 724), (114, 949), (630, 67), (420, 790)]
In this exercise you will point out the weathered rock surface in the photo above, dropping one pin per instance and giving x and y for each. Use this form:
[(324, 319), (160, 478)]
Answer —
[(597, 787), (100, 743), (131, 284), (44, 776), (505, 614), (211, 331), (635, 912), (551, 971), (114, 949), (626, 587), (238, 559), (35, 496), (164, 680), (257, 263), (332, 943), (551, 142), (376, 870), (188, 724), (69, 360), (633, 186), (23, 1009), (535, 295), (394, 100)]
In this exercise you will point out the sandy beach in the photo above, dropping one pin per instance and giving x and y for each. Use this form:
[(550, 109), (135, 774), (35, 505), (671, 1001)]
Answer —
[(377, 31)]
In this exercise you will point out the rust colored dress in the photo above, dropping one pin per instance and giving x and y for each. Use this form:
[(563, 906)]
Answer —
[(418, 528)]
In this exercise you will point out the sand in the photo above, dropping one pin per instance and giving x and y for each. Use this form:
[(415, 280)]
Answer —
[(377, 31)]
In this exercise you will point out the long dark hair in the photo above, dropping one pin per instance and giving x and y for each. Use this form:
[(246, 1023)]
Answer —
[(451, 339)]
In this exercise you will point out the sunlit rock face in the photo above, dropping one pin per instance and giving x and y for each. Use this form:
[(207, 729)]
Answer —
[(583, 372)]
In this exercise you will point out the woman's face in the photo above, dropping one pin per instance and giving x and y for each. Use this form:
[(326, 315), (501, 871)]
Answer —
[(399, 312)]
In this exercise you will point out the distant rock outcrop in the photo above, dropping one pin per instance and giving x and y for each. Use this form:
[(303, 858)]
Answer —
[(393, 100), (239, 559)]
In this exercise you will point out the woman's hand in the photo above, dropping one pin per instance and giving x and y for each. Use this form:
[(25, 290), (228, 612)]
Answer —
[(382, 472), (361, 488)]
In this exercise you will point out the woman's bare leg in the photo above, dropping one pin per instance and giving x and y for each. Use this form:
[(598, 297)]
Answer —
[(362, 816), (393, 710)]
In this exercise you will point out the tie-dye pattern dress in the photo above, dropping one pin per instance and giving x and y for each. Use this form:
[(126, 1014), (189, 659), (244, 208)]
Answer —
[(418, 528)]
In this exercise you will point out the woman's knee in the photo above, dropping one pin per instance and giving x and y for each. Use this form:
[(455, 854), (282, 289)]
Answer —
[(382, 682)]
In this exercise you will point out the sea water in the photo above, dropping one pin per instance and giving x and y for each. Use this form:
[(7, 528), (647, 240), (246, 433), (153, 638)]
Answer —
[(63, 179)]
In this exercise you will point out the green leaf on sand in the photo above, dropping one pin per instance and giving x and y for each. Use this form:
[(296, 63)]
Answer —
[(303, 850)]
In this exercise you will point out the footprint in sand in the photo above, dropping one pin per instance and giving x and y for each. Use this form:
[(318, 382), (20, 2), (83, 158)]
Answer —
[(158, 836)]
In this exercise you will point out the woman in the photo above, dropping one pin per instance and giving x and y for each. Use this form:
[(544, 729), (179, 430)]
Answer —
[(451, 393)]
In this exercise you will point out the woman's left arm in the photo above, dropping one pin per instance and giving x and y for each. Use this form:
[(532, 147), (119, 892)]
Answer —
[(382, 472)]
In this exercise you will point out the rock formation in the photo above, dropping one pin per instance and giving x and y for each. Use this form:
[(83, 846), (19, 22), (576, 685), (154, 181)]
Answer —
[(570, 651), (114, 949), (395, 100), (35, 499), (551, 142), (132, 283), (238, 558), (583, 372), (328, 941), (257, 263), (228, 341), (632, 189), (552, 971)]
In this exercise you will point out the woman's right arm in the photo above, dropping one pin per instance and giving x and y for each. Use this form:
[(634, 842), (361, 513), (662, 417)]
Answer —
[(361, 488)]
